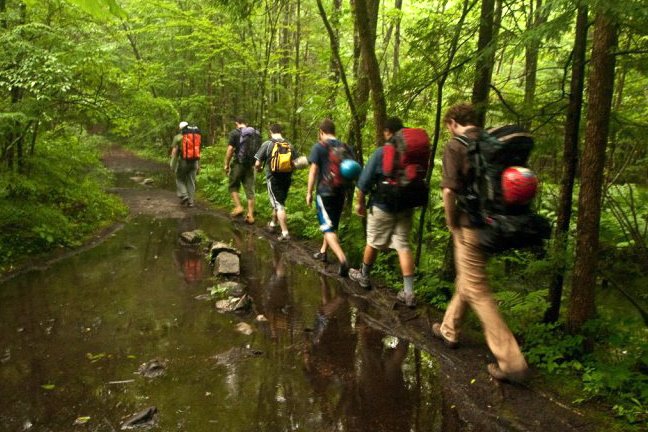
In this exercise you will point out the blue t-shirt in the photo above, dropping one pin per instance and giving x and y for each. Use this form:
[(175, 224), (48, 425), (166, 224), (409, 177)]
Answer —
[(320, 157), (370, 177)]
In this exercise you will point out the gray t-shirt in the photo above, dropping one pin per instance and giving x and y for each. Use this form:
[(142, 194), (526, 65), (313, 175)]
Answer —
[(265, 153)]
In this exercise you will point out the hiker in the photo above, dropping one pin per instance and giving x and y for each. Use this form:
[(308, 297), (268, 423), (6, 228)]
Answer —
[(239, 166), (278, 156), (324, 173), (389, 220), (185, 162), (471, 286)]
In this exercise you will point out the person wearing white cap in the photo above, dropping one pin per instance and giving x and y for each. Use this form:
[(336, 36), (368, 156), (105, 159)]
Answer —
[(185, 169)]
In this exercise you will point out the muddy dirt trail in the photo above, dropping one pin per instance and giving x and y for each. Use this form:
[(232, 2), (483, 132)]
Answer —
[(314, 352)]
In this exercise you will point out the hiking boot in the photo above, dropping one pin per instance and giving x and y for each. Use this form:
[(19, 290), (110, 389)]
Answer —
[(344, 269), (357, 276), (238, 211), (283, 237), (436, 332), (249, 220), (320, 256), (190, 204), (407, 298), (511, 377), (183, 201)]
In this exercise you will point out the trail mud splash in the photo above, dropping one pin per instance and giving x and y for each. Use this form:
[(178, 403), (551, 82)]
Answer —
[(321, 356)]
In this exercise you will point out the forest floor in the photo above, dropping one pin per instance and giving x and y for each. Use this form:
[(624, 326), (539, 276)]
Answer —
[(471, 400)]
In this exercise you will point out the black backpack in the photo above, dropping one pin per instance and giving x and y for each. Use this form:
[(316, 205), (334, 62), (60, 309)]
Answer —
[(502, 227), (249, 143)]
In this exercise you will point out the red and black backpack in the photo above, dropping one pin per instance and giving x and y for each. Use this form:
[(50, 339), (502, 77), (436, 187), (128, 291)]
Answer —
[(191, 140), (404, 169), (337, 152)]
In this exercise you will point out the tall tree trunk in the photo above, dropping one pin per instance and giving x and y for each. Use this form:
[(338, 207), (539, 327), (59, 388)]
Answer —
[(366, 13), (397, 41), (136, 51), (452, 51), (334, 71), (485, 59), (537, 17), (347, 90), (297, 76), (600, 90), (570, 160)]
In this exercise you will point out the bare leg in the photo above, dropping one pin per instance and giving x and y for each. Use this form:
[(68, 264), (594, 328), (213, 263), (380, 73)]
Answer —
[(283, 220), (331, 239), (237, 201)]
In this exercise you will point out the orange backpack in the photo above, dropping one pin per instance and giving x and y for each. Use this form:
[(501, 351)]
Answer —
[(191, 139)]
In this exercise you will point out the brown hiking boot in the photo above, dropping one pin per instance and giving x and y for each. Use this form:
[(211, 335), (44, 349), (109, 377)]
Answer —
[(511, 377), (436, 332)]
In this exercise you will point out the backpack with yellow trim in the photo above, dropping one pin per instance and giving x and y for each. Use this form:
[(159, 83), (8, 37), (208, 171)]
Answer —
[(281, 157)]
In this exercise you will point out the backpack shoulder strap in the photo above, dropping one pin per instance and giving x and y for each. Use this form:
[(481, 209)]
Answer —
[(388, 159)]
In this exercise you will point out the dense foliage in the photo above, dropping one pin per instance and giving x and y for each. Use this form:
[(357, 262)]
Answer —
[(130, 70)]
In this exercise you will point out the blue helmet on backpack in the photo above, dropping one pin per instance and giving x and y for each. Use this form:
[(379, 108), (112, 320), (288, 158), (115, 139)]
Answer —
[(350, 169)]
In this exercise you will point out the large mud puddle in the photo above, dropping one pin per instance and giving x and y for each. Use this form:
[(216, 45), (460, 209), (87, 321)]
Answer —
[(73, 337)]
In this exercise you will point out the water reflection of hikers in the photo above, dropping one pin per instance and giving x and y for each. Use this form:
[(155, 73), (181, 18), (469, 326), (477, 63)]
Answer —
[(185, 166), (190, 262), (329, 354), (382, 399), (275, 298)]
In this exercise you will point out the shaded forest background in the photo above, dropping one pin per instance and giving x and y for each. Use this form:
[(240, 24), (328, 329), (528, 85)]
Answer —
[(75, 75)]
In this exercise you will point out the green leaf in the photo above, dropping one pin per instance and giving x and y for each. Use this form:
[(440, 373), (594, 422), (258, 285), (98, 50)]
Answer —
[(48, 386)]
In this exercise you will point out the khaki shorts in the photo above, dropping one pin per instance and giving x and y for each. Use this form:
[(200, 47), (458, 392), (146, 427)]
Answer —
[(242, 174), (389, 230)]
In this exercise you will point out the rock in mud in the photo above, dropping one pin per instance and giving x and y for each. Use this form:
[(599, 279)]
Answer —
[(143, 419), (244, 328), (203, 297), (227, 263), (233, 304), (192, 237), (152, 368), (218, 247), (232, 289), (236, 354), (148, 181)]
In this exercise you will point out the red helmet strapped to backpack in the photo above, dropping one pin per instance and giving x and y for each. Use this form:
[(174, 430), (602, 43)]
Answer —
[(519, 185)]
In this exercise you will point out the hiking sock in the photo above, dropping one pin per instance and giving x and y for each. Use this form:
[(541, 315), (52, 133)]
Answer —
[(284, 233), (408, 284), (366, 269)]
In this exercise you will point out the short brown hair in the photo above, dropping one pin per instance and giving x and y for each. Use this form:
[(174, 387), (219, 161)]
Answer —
[(463, 113), (327, 126), (275, 128)]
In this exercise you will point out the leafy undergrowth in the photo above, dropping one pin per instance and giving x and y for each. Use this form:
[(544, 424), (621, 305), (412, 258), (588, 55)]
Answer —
[(57, 201)]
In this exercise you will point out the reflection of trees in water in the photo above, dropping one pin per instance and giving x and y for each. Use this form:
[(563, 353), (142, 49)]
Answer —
[(357, 380)]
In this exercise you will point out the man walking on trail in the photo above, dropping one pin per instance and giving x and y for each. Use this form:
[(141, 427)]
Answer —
[(278, 155), (387, 227), (471, 286), (241, 149), (329, 200), (185, 169)]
